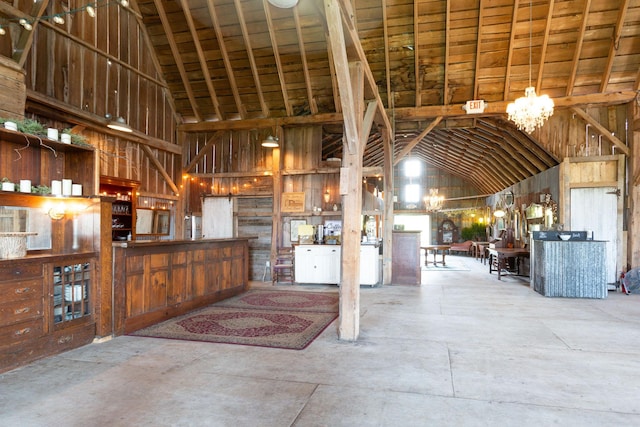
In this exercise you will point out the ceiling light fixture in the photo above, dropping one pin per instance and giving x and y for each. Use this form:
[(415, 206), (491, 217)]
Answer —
[(433, 202), (530, 111), (118, 124), (270, 142), (284, 4)]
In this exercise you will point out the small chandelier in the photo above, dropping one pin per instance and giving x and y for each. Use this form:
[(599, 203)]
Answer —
[(433, 202), (530, 111)]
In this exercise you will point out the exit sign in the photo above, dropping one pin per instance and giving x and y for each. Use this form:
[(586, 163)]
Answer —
[(475, 106)]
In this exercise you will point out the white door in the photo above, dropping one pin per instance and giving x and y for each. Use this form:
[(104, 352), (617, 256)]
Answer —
[(595, 209), (217, 218)]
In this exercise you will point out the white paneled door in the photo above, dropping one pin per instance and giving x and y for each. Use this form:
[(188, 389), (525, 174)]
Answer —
[(217, 218), (595, 210)]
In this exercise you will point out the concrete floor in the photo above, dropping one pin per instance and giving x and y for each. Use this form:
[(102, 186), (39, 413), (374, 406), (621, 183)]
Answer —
[(463, 349)]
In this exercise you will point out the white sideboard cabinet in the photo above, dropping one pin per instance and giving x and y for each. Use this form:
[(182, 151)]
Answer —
[(321, 264)]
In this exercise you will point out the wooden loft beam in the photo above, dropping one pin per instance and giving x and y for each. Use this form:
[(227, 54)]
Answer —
[(613, 47), (176, 54), (507, 74), (478, 50), (416, 54), (545, 43), (578, 49)]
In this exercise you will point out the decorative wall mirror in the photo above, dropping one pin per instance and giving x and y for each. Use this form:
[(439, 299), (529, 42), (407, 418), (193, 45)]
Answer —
[(508, 199), (152, 221), (24, 219)]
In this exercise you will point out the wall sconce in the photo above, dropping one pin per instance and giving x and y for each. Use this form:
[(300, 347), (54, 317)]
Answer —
[(327, 196), (118, 124), (499, 213), (56, 211)]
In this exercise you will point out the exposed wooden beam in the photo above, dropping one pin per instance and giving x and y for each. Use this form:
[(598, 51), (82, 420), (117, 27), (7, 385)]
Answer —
[(225, 58), (578, 49), (387, 65), (407, 149), (447, 49), (615, 43), (203, 61), (177, 58), (545, 43), (160, 168), (305, 67), (252, 59), (276, 56), (416, 53), (606, 133), (25, 41), (203, 151), (478, 50), (512, 37)]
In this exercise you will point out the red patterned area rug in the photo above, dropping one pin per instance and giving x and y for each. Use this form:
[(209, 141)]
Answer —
[(259, 317)]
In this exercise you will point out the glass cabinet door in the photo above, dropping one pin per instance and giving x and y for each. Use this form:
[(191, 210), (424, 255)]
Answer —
[(71, 291)]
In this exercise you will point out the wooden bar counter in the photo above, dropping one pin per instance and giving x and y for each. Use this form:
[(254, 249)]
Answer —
[(155, 281)]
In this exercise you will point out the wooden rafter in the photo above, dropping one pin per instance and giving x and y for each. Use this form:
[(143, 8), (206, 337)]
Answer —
[(507, 74), (387, 65), (225, 58), (252, 59), (176, 54), (203, 61), (407, 149), (578, 49), (416, 52), (276, 56), (23, 46), (476, 72), (447, 49), (545, 43), (615, 43), (305, 67)]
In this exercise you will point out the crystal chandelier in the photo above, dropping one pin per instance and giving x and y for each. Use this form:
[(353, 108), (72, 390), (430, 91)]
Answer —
[(433, 202), (530, 111)]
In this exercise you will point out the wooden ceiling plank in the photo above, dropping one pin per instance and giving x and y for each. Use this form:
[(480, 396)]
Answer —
[(305, 67), (252, 60), (606, 133), (578, 49), (201, 59), (545, 43), (615, 44), (278, 59), (533, 163), (407, 149), (176, 55), (225, 59)]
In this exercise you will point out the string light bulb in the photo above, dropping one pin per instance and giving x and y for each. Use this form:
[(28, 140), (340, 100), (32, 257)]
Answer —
[(2, 31), (58, 19), (91, 11), (25, 24)]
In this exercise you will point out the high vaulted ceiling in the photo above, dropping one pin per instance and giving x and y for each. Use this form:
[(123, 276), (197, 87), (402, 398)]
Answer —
[(245, 60)]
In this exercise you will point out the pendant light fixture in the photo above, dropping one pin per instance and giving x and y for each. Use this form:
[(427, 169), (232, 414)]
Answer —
[(530, 111), (284, 4), (118, 124)]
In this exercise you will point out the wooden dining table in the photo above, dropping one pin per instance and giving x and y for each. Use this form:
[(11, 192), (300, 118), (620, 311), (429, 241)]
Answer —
[(498, 259), (435, 248)]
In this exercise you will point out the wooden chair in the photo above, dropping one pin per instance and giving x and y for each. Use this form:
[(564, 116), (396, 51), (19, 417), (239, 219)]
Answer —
[(284, 267)]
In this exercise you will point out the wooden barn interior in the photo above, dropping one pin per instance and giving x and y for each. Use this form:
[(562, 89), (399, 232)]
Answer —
[(349, 92)]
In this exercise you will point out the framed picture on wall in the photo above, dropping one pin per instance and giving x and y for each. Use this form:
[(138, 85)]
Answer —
[(292, 202), (294, 228)]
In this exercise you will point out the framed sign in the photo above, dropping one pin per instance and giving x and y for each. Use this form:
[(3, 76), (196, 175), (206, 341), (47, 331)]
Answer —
[(292, 202)]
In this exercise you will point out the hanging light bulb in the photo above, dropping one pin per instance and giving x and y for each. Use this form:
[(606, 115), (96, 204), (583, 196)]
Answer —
[(58, 19), (2, 31), (91, 11), (25, 24)]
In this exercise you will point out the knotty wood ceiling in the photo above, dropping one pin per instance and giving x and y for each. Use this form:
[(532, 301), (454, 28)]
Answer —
[(245, 60)]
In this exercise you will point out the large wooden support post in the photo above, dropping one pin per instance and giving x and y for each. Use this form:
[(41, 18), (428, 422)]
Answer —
[(633, 228), (276, 223), (351, 191), (387, 235)]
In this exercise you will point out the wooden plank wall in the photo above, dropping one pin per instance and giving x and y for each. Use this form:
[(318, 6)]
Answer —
[(254, 220)]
